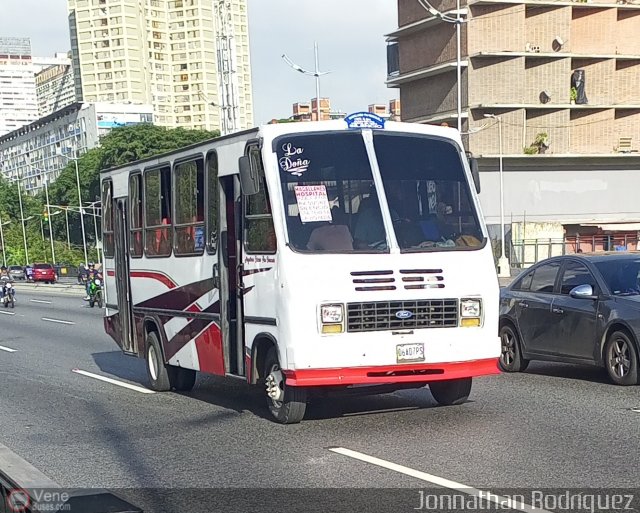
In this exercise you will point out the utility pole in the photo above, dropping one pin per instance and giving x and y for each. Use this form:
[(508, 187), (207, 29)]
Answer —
[(227, 68)]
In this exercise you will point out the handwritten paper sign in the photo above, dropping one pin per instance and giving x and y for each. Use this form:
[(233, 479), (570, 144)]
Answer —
[(313, 203)]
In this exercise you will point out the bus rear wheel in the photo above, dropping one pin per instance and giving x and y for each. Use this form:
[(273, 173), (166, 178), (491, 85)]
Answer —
[(451, 392), (286, 404), (157, 370)]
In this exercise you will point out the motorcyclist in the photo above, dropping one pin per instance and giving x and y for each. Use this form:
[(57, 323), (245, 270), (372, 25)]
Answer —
[(92, 273), (4, 278)]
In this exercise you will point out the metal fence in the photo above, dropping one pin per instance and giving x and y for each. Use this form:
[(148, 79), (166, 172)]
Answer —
[(526, 252)]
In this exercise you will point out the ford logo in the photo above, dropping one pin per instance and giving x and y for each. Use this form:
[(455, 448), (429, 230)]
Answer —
[(404, 314)]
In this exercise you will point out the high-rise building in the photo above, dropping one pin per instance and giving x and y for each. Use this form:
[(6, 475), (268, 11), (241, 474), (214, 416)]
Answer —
[(550, 104), (18, 104), (31, 154), (177, 55), (55, 86)]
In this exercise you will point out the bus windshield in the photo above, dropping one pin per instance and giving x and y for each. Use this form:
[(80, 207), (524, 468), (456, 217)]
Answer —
[(332, 204), (427, 191)]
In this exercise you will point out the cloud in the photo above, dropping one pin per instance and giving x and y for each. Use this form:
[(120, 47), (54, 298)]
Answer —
[(350, 36)]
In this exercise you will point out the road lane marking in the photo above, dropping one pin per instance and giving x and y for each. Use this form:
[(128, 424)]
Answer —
[(114, 381), (40, 301), (7, 313), (57, 320), (7, 349), (484, 495)]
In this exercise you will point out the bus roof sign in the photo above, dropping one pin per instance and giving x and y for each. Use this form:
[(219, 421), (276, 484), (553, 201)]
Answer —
[(364, 120)]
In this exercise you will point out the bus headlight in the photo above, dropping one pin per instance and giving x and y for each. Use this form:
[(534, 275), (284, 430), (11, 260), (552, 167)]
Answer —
[(332, 318), (470, 312)]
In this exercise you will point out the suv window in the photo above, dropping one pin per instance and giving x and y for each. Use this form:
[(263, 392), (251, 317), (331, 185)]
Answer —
[(42, 266), (544, 277), (576, 274), (15, 268)]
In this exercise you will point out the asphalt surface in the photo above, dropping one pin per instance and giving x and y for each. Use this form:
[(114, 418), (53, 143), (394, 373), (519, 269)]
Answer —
[(554, 426)]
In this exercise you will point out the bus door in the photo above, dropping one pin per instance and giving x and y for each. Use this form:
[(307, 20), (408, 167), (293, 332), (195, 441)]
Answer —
[(227, 272), (123, 284)]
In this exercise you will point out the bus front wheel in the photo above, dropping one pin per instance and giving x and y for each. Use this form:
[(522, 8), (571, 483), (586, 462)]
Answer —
[(451, 392), (286, 404)]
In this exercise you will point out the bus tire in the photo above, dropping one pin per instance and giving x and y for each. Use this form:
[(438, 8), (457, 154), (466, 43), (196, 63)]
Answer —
[(286, 404), (451, 392), (183, 380), (157, 371)]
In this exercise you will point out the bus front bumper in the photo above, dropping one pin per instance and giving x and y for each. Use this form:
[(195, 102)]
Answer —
[(407, 373)]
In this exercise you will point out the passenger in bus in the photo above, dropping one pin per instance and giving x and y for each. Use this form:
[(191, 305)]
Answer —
[(333, 236)]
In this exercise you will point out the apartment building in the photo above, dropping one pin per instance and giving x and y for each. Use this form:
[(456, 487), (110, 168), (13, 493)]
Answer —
[(31, 154), (189, 59), (552, 86), (18, 104), (55, 86)]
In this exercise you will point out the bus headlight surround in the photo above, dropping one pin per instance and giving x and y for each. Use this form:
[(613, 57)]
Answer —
[(470, 312), (332, 318)]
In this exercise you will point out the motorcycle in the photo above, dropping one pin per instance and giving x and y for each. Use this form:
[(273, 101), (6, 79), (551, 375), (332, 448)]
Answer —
[(95, 293), (8, 294)]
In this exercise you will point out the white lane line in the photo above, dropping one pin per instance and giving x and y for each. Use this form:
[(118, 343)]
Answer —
[(57, 320), (6, 313), (40, 301), (7, 349), (114, 381), (484, 495)]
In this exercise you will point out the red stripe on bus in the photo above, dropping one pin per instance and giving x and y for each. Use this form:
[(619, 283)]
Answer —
[(162, 278), (406, 373), (209, 347)]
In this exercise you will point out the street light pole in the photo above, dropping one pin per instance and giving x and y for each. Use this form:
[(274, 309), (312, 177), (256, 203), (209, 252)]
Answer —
[(318, 110), (458, 65), (504, 267), (84, 238), (66, 215), (4, 250), (316, 73), (24, 233), (46, 191)]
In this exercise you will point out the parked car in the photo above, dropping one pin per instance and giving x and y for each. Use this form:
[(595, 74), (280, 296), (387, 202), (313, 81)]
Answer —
[(582, 308), (16, 272), (44, 272)]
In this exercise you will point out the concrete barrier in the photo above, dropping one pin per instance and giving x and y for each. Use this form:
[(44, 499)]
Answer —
[(27, 490)]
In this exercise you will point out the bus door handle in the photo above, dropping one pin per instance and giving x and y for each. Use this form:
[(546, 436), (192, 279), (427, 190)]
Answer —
[(216, 277), (240, 273)]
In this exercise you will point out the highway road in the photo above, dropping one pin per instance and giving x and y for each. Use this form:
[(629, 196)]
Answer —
[(555, 426)]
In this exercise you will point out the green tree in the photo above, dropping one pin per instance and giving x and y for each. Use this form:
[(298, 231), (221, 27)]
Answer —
[(120, 146)]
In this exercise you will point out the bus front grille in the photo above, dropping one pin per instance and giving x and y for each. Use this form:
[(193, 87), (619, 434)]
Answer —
[(401, 315)]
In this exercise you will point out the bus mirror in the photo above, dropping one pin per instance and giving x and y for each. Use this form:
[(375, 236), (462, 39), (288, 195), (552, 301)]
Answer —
[(248, 177), (475, 172)]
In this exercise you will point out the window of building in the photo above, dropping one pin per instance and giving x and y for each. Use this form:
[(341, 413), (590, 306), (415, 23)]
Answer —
[(157, 207), (135, 219), (107, 219), (260, 234), (189, 208)]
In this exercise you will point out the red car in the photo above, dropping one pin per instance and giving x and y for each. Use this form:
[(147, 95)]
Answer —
[(44, 272)]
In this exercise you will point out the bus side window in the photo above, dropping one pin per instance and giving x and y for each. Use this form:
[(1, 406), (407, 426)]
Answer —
[(189, 204), (157, 204), (260, 235), (135, 219), (212, 202), (108, 237)]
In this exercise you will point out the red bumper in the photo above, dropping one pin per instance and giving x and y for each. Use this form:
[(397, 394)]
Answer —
[(391, 374)]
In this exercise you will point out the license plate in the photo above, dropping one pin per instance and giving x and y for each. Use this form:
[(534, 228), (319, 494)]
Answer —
[(410, 353)]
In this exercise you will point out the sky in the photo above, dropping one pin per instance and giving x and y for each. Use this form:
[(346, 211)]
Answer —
[(350, 36)]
